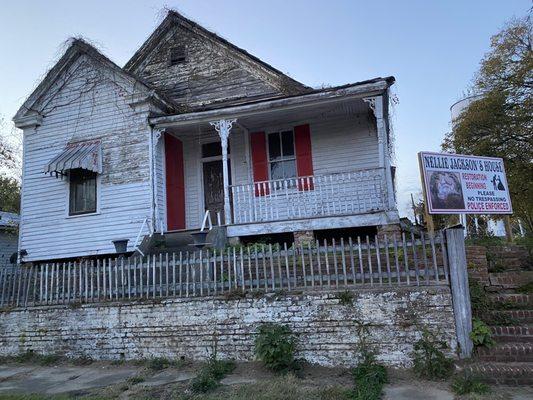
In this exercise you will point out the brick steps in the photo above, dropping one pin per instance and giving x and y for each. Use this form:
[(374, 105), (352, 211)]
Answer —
[(506, 352), (512, 298), (515, 317), (513, 373), (505, 334), (510, 280)]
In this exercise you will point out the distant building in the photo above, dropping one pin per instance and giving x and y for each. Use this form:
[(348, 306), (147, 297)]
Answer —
[(9, 223)]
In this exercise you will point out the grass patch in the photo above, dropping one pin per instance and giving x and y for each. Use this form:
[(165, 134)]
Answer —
[(281, 387), (211, 374), (135, 380), (468, 384)]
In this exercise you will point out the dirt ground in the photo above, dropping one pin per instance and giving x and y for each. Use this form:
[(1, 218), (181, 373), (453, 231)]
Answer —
[(101, 380)]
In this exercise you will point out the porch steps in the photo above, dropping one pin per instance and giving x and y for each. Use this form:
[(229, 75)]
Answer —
[(503, 373)]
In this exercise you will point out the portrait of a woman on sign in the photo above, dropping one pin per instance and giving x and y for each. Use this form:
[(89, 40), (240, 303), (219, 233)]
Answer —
[(446, 191)]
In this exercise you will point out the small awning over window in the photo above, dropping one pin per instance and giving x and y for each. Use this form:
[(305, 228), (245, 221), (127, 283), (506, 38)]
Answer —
[(84, 155)]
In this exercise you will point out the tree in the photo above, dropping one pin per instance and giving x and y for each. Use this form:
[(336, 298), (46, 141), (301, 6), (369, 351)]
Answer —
[(9, 194), (500, 122), (9, 169)]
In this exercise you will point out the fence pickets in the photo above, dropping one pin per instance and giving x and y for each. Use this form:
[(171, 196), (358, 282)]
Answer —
[(396, 260)]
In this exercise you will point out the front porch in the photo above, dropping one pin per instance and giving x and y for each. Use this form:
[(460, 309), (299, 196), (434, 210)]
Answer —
[(302, 163)]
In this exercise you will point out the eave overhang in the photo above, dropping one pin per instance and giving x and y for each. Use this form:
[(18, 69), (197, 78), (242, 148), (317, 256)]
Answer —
[(322, 96)]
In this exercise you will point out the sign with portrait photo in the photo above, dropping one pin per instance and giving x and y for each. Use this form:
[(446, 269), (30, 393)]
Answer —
[(460, 184)]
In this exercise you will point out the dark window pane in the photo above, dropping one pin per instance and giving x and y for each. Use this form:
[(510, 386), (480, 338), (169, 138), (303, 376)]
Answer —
[(276, 170), (289, 169), (274, 146), (82, 196), (212, 149), (287, 142)]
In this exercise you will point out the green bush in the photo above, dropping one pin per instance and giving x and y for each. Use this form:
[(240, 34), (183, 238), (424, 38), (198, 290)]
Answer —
[(429, 360), (467, 384), (481, 334), (275, 346)]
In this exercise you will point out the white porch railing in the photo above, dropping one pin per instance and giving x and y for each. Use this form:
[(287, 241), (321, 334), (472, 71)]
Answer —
[(345, 193)]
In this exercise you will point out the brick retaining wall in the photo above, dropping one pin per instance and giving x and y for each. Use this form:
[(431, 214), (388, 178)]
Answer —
[(326, 329)]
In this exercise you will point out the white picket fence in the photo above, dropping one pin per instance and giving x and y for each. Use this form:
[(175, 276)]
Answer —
[(377, 261)]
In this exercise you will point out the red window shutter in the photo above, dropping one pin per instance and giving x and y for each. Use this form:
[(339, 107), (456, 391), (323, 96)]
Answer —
[(259, 161), (175, 183), (304, 156)]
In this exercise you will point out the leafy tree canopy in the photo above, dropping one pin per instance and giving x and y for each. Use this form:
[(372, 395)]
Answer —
[(500, 122)]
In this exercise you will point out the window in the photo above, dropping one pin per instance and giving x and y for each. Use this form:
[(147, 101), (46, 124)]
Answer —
[(176, 55), (212, 149), (82, 197), (281, 155)]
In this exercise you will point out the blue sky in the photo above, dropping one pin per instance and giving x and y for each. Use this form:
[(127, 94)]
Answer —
[(433, 48)]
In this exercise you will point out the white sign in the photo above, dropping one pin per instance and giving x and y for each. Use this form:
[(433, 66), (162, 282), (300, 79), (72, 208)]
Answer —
[(457, 184)]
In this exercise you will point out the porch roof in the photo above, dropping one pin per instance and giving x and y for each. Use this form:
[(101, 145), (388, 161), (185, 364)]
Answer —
[(314, 99)]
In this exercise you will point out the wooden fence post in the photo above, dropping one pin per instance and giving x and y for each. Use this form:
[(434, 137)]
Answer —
[(460, 290)]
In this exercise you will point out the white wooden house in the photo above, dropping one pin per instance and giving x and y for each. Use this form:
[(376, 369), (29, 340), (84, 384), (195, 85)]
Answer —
[(116, 153)]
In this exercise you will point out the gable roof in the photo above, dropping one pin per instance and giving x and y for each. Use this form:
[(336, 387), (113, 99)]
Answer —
[(174, 18), (77, 48)]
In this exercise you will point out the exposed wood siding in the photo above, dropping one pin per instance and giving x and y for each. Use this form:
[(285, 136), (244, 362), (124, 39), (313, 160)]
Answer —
[(209, 74), (160, 183), (8, 246), (75, 112), (343, 145)]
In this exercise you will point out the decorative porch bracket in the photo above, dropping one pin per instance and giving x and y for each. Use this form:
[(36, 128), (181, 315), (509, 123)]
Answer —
[(223, 128)]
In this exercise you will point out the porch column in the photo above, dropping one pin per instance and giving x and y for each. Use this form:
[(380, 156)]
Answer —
[(223, 128), (377, 106)]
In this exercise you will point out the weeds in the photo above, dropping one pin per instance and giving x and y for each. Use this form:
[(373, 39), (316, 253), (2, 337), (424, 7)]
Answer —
[(481, 334), (345, 298), (429, 360), (211, 374), (369, 375), (526, 289), (275, 347), (468, 384)]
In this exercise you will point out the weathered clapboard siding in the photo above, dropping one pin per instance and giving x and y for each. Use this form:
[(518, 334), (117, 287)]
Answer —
[(90, 104), (210, 74), (343, 145), (8, 246), (160, 184)]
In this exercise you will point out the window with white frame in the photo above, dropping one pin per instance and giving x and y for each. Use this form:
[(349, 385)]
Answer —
[(82, 188), (281, 155)]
